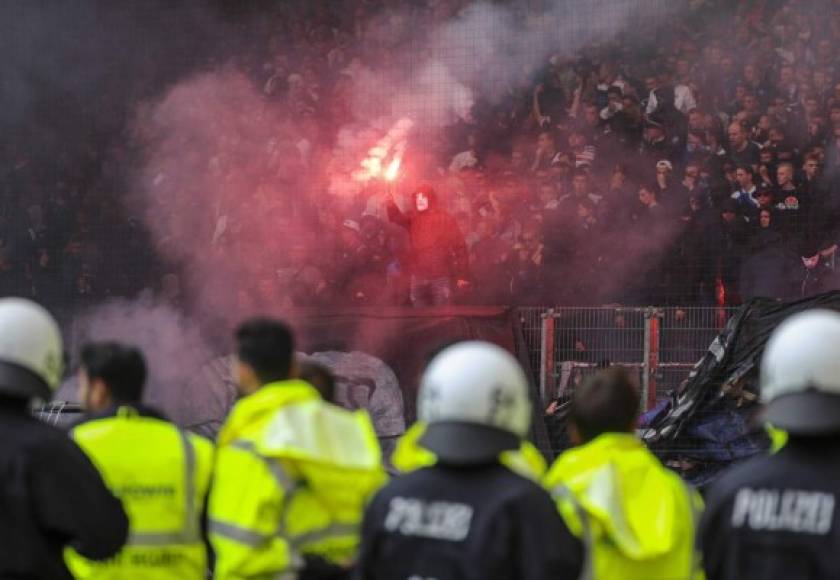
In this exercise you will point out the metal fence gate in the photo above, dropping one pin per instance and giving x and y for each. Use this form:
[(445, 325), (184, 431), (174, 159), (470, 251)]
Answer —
[(660, 345)]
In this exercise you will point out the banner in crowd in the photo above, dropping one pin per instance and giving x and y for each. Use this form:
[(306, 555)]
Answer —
[(711, 421)]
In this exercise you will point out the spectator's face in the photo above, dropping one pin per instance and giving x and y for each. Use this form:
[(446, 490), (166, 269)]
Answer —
[(576, 140), (737, 136), (728, 216), (421, 201), (784, 174), (693, 203), (811, 106), (766, 157), (683, 67), (750, 103), (654, 134), (545, 142), (740, 92), (646, 197), (764, 219), (591, 115), (580, 184), (764, 123), (750, 73), (727, 65), (811, 167), (820, 79), (692, 172), (651, 83), (696, 122), (786, 75), (743, 178), (765, 199)]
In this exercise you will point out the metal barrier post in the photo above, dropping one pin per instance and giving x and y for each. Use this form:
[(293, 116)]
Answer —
[(547, 358), (651, 364)]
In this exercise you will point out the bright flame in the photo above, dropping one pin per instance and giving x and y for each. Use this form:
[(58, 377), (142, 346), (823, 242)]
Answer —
[(393, 169), (391, 146)]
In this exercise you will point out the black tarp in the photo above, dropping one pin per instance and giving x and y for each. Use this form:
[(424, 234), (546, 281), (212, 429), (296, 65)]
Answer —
[(709, 422)]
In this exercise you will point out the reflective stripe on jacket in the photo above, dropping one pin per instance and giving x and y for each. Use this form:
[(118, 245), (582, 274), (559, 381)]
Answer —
[(161, 474), (409, 455), (293, 476), (636, 518)]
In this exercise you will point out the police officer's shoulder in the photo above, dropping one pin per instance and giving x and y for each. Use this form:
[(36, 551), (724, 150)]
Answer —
[(760, 470), (491, 483)]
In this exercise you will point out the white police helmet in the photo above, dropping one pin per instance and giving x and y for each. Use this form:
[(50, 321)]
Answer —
[(800, 374), (474, 398), (30, 349)]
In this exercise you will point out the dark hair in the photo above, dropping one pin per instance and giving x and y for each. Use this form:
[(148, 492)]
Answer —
[(320, 377), (606, 402), (267, 346), (121, 367)]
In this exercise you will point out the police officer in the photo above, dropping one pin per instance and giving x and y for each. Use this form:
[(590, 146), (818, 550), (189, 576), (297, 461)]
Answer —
[(466, 515), (636, 517), (51, 496), (160, 472), (776, 516), (293, 473)]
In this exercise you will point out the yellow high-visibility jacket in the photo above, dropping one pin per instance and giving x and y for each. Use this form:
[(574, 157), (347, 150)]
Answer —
[(161, 474), (409, 455), (293, 476), (637, 519)]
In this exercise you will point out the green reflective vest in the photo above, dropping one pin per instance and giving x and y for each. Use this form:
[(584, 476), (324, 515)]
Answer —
[(293, 476), (409, 455), (636, 518), (161, 474)]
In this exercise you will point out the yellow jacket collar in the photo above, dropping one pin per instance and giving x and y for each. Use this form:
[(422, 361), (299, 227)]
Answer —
[(257, 407)]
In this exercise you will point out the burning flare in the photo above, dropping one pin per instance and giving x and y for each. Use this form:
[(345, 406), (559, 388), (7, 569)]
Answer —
[(393, 169), (384, 159)]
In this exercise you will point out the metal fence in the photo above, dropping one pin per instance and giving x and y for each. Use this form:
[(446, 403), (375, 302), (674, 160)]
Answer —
[(659, 344)]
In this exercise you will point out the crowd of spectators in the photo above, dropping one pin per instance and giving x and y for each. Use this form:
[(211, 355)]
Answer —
[(694, 164)]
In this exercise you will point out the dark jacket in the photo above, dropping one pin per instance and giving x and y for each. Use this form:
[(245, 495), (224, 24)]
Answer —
[(51, 497), (452, 523), (438, 249), (776, 516)]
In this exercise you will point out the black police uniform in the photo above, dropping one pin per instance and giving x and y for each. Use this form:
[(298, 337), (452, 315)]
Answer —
[(775, 517), (51, 496), (478, 522)]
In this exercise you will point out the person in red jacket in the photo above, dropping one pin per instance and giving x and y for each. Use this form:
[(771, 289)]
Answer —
[(438, 253)]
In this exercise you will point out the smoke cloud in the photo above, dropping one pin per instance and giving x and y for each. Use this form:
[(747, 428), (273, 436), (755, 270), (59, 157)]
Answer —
[(234, 185)]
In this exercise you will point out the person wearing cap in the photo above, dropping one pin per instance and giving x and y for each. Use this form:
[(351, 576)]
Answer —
[(51, 495), (776, 515), (162, 482), (465, 514), (635, 517)]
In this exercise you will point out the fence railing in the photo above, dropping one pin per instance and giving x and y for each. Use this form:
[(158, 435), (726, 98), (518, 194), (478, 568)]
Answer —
[(659, 344)]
